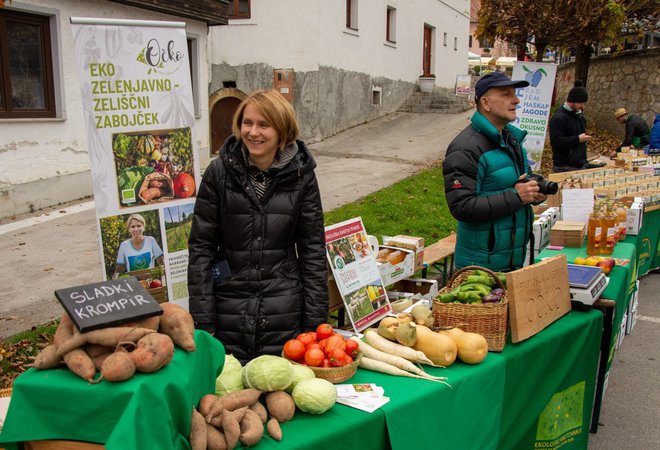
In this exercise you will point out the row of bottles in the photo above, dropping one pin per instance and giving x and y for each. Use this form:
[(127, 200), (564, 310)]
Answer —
[(607, 226)]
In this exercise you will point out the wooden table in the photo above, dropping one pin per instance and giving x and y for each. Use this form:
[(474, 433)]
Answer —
[(442, 252)]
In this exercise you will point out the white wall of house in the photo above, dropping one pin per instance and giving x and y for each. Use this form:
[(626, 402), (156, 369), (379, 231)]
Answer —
[(305, 34), (338, 69), (45, 161)]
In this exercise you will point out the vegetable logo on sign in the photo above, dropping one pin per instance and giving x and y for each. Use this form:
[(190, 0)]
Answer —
[(156, 56)]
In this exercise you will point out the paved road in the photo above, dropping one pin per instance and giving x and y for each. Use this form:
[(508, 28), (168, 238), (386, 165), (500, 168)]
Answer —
[(63, 250)]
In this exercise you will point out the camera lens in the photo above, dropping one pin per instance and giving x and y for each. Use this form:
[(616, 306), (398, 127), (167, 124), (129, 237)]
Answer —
[(548, 187)]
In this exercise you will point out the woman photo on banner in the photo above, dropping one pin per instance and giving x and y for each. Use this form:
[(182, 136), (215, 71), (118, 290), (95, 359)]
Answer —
[(139, 251)]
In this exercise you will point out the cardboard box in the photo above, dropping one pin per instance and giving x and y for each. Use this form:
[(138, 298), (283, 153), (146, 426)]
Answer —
[(568, 234), (391, 273), (541, 230), (538, 295), (411, 243), (552, 214), (634, 217), (427, 288)]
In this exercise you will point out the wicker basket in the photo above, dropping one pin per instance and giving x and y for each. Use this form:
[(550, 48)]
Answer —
[(488, 320), (335, 374)]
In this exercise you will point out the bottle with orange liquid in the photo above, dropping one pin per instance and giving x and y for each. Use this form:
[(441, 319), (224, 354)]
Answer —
[(609, 230), (594, 229)]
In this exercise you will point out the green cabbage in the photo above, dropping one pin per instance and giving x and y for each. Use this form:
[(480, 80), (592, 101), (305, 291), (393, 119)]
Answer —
[(314, 395), (268, 373), (230, 378), (300, 372)]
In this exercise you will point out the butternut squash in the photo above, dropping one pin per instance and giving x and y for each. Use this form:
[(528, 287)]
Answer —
[(439, 348), (472, 347)]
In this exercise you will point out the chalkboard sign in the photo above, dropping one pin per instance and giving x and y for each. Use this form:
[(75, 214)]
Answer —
[(108, 303)]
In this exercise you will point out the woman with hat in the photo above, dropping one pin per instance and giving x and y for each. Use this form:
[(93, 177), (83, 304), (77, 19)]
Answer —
[(637, 131)]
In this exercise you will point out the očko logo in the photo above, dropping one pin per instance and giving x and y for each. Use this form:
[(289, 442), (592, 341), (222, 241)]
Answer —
[(157, 56)]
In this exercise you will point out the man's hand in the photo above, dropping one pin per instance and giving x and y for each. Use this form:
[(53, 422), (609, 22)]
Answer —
[(529, 191), (584, 137)]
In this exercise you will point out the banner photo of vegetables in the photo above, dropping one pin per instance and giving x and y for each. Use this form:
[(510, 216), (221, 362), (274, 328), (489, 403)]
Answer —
[(153, 167)]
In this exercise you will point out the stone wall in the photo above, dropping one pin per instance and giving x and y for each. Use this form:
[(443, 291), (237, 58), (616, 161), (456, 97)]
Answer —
[(327, 101), (629, 79)]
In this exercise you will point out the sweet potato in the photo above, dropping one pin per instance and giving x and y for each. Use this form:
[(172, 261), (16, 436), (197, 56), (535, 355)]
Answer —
[(215, 439), (198, 434), (64, 331), (118, 367), (80, 363), (47, 358), (151, 323), (154, 351), (280, 406), (274, 429), (232, 401), (260, 410), (238, 414), (156, 183), (106, 336), (252, 429), (97, 353), (231, 429), (178, 324), (205, 403), (150, 194)]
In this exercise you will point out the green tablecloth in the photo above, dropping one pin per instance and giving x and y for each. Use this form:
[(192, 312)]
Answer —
[(56, 404), (647, 242), (621, 280), (535, 393)]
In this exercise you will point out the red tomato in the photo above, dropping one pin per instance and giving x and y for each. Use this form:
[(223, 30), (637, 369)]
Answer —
[(352, 348), (294, 350), (337, 357), (306, 338), (347, 360), (314, 345), (335, 342), (323, 331), (322, 343), (313, 334), (314, 357)]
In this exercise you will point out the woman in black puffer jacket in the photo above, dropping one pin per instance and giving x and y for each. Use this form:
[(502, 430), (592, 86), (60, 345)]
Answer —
[(257, 273)]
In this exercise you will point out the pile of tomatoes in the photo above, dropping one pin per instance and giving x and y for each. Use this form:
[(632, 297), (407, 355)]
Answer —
[(321, 348)]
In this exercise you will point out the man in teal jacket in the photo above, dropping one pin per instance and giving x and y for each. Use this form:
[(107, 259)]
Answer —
[(485, 169)]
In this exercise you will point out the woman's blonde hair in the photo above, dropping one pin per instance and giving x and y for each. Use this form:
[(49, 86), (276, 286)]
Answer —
[(137, 217), (278, 112)]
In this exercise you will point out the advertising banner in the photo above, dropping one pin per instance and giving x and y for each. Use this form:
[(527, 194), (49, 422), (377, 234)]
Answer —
[(533, 112), (463, 84), (356, 273), (137, 97)]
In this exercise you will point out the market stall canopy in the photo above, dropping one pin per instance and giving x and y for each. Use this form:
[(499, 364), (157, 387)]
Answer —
[(482, 61), (506, 61), (473, 55)]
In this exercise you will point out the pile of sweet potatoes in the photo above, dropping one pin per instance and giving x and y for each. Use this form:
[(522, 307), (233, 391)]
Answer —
[(118, 352), (219, 423)]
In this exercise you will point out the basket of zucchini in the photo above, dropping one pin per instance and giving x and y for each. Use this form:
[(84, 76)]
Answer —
[(474, 300)]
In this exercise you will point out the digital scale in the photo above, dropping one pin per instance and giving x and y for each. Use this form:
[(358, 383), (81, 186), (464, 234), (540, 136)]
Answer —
[(586, 283)]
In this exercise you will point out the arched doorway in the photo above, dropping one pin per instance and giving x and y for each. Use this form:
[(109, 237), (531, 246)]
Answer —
[(222, 105)]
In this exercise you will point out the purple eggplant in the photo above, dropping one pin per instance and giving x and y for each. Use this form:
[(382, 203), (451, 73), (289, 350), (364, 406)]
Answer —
[(497, 291), (491, 298)]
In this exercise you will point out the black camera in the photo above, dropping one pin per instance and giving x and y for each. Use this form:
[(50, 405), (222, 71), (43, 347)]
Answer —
[(545, 187)]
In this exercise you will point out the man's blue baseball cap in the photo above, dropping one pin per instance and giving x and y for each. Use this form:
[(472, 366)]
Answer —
[(495, 79)]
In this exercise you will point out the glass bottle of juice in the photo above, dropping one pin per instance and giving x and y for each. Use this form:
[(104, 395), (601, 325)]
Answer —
[(609, 230), (594, 228), (623, 220)]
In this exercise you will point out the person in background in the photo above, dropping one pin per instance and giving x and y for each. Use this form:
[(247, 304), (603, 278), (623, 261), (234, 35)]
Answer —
[(637, 131), (485, 171), (654, 143), (568, 136), (257, 272), (138, 252)]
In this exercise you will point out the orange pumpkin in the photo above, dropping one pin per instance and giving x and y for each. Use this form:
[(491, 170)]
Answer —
[(184, 185)]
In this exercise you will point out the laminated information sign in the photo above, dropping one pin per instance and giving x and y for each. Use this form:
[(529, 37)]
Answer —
[(137, 96), (356, 273)]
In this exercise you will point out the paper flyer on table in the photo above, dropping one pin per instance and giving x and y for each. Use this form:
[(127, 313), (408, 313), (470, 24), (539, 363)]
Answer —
[(365, 397)]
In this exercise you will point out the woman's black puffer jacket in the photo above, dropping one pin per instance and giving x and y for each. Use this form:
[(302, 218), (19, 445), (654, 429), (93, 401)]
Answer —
[(275, 248)]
